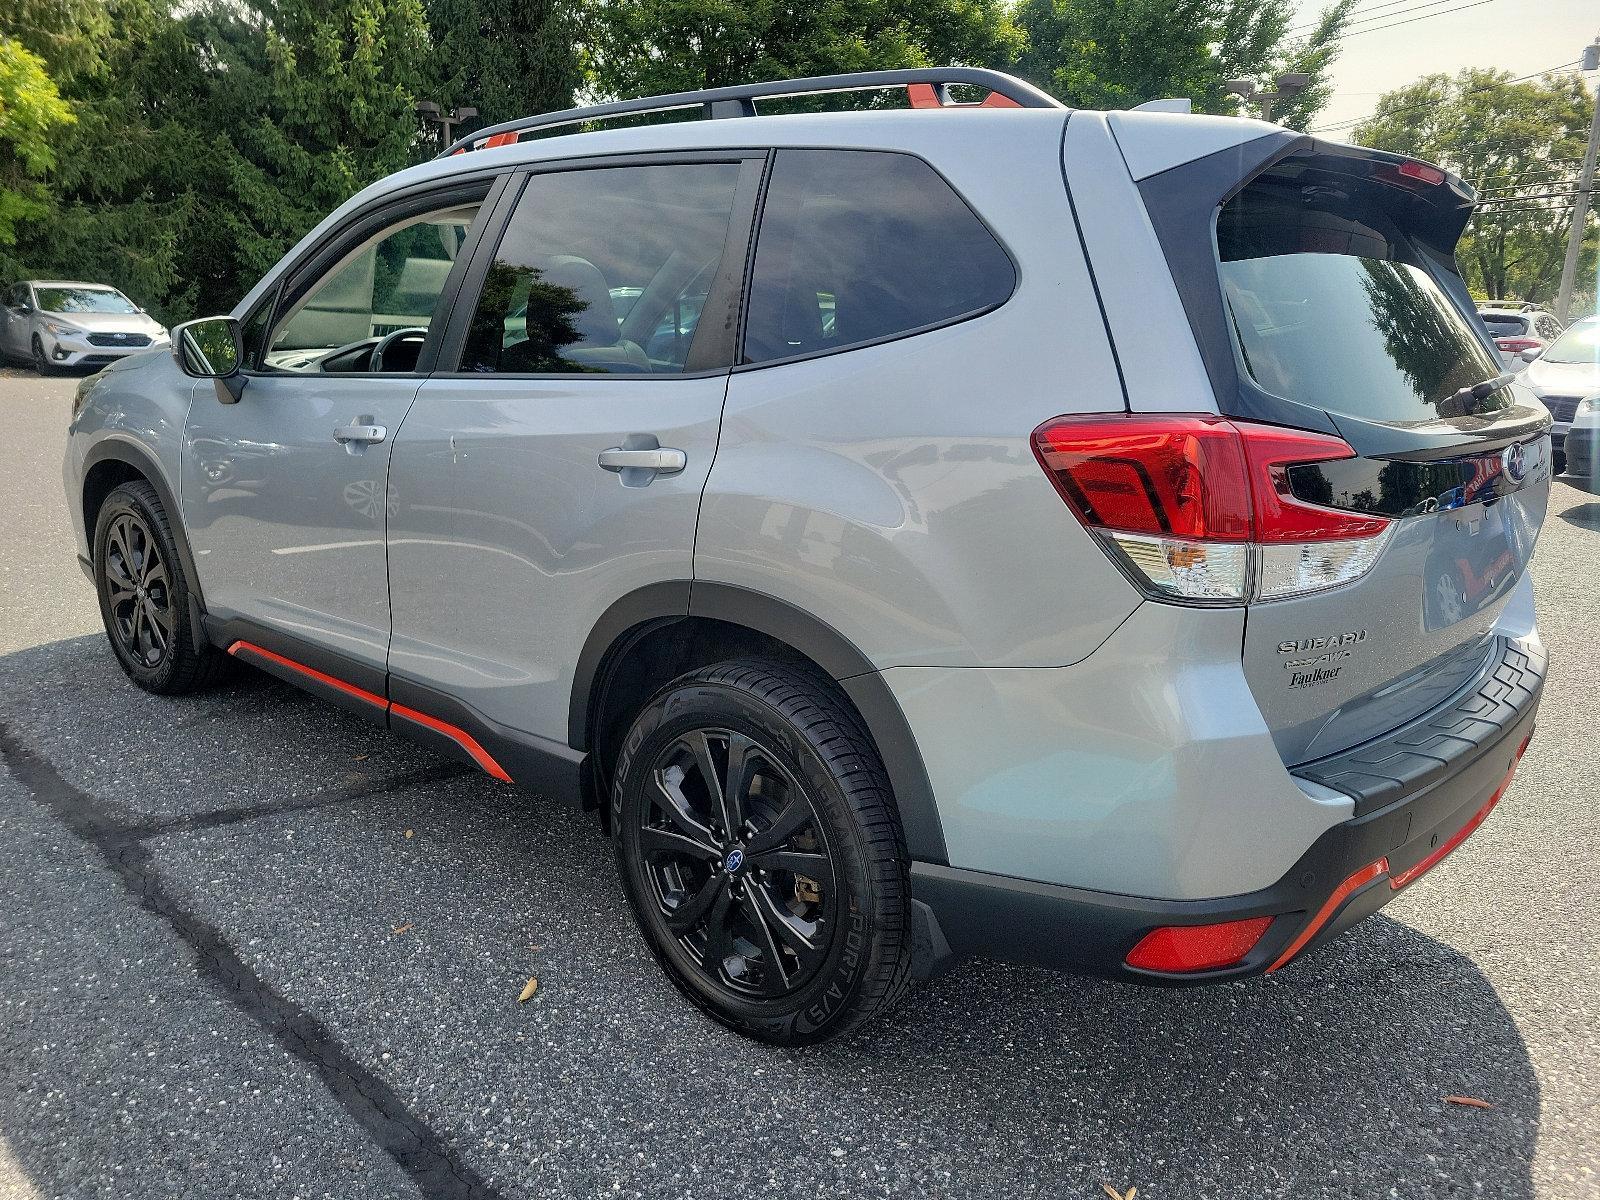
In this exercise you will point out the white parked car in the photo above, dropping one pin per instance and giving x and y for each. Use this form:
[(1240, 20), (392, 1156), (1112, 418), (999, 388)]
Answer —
[(57, 324), (1564, 373)]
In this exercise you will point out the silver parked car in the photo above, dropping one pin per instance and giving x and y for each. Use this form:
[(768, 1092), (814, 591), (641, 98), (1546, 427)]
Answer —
[(60, 324), (1091, 539), (1563, 373)]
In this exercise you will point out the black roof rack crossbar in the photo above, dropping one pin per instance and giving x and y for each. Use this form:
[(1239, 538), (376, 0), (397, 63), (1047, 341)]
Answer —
[(740, 100)]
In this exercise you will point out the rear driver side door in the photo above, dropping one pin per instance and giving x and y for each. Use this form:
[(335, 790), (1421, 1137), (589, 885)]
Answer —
[(594, 338)]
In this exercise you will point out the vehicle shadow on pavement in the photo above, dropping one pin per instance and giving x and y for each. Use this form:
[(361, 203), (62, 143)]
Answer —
[(1584, 516), (376, 911)]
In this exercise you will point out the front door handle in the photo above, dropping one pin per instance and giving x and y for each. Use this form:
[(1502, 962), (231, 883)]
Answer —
[(360, 433), (663, 460)]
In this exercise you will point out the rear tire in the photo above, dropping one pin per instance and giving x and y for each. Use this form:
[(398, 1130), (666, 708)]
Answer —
[(144, 595), (777, 897)]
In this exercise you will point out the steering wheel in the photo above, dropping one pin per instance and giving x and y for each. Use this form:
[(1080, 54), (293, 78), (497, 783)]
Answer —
[(378, 351)]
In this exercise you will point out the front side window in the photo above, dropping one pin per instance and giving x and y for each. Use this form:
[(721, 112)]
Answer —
[(372, 311), (1331, 306), (603, 271), (857, 246), (84, 300)]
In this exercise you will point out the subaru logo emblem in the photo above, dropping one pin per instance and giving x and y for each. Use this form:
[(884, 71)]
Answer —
[(734, 861), (1514, 460)]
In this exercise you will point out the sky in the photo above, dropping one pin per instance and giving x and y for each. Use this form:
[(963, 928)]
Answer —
[(1520, 36)]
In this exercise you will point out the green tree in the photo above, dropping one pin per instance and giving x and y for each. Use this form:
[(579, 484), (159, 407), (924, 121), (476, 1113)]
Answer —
[(1119, 53), (32, 114), (215, 136), (1519, 144), (506, 58), (647, 47)]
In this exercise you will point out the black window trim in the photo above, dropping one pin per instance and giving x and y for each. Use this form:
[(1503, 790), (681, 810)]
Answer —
[(730, 280), (486, 187), (740, 366)]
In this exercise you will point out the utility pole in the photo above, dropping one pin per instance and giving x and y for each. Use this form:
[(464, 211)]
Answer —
[(1580, 203), (1289, 85), (429, 111)]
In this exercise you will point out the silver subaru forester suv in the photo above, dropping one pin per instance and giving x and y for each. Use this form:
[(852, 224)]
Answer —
[(1081, 538)]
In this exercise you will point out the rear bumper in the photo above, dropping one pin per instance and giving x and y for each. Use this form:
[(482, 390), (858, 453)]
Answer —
[(1419, 791)]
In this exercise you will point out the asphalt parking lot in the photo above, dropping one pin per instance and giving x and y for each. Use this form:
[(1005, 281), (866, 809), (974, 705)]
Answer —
[(251, 947)]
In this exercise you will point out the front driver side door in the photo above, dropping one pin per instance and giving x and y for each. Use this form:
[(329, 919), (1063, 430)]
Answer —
[(284, 492)]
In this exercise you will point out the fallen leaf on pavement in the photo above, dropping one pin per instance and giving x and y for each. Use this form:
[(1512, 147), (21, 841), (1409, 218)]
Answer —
[(1468, 1102), (1116, 1195), (408, 833), (362, 757), (528, 990), (406, 928)]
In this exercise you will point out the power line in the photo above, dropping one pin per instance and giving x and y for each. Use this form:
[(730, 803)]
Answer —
[(1413, 20), (1375, 15), (1429, 103)]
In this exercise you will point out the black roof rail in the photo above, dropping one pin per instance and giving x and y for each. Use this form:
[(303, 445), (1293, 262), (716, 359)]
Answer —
[(739, 100)]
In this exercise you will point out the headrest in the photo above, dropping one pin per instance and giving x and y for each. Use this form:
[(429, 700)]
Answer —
[(596, 323)]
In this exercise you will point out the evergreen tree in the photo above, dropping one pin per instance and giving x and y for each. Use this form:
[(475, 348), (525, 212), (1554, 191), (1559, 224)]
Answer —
[(506, 58)]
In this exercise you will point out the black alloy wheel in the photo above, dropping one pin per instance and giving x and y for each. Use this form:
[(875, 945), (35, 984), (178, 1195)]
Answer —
[(145, 598), (761, 851), (139, 591), (738, 863)]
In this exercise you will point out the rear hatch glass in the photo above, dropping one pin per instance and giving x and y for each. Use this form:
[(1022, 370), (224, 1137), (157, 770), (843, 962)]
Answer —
[(1341, 296)]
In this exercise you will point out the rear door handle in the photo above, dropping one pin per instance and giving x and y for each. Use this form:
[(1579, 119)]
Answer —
[(663, 460), (360, 433)]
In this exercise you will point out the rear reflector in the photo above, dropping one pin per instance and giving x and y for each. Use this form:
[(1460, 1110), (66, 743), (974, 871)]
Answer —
[(1179, 949), (1199, 509)]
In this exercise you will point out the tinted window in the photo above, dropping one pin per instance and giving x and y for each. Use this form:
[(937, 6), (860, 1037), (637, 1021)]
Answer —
[(388, 285), (603, 271), (857, 246), (1502, 326), (1332, 306)]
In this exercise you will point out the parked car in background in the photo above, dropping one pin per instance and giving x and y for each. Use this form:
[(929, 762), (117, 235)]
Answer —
[(1518, 328), (1583, 443), (1562, 374), (59, 324)]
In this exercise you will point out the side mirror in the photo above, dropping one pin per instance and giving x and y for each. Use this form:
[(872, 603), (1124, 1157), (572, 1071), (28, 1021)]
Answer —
[(1531, 353), (25, 309), (212, 348)]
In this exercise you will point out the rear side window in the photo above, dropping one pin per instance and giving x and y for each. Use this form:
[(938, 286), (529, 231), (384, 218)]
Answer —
[(603, 271), (1331, 305), (858, 246)]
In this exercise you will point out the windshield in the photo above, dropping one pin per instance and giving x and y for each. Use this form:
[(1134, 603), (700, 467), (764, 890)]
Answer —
[(1331, 306), (1580, 344), (83, 300)]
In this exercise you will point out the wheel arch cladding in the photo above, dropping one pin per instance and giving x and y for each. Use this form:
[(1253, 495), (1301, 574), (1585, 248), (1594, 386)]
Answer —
[(113, 462), (723, 620)]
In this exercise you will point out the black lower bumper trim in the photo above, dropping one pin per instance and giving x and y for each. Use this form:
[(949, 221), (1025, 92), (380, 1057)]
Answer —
[(1092, 932)]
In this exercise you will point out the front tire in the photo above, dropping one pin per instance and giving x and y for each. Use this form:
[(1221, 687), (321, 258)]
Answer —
[(41, 362), (144, 595), (762, 853)]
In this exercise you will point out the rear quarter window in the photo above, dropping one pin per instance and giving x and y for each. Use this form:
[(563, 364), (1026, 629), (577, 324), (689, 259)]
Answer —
[(859, 246)]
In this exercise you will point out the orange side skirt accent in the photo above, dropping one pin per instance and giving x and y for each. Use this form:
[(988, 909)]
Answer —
[(460, 736)]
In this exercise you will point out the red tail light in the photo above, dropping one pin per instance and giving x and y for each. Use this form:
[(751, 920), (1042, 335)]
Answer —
[(1199, 508), (1516, 345)]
